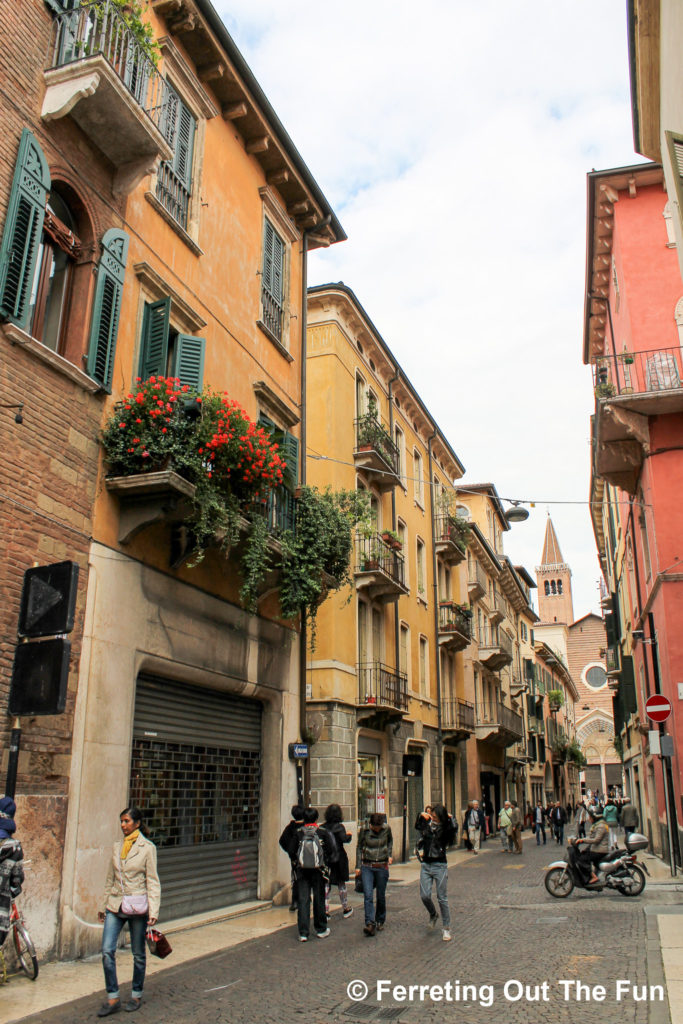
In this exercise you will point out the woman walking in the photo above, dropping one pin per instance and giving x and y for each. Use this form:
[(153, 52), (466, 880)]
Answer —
[(437, 833), (132, 894), (611, 819), (339, 870)]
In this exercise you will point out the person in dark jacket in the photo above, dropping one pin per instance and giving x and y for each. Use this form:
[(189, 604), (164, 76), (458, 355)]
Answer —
[(286, 842), (339, 870), (558, 819), (436, 834), (374, 856), (629, 817), (11, 863), (308, 840)]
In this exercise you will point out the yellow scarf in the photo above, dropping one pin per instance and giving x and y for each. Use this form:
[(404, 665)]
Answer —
[(128, 842)]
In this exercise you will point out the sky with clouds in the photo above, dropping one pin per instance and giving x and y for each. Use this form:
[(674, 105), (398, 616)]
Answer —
[(453, 140)]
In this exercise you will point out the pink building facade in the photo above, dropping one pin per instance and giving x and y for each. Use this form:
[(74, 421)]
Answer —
[(632, 339)]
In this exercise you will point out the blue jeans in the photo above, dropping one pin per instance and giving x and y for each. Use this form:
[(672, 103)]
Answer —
[(429, 874), (540, 829), (371, 878), (113, 924)]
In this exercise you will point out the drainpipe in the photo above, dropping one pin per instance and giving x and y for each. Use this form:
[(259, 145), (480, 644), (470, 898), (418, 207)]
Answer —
[(439, 735), (397, 642), (306, 781)]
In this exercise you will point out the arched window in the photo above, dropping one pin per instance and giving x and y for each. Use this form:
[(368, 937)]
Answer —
[(51, 290), (553, 587), (547, 588), (559, 586)]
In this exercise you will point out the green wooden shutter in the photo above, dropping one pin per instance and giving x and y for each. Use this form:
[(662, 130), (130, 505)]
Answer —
[(111, 271), (289, 451), (188, 360), (184, 145), (23, 230), (278, 264), (155, 328), (268, 241)]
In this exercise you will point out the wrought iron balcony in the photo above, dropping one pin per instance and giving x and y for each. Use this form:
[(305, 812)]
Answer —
[(630, 387), (497, 651), (379, 569), (375, 452), (101, 77), (451, 538), (477, 584), (455, 627), (457, 718), (612, 662), (498, 611), (498, 724), (381, 688)]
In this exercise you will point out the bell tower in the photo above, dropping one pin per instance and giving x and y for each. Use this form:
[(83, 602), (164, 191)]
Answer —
[(554, 579)]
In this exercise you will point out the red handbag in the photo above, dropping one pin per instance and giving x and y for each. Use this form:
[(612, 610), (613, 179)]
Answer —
[(158, 944)]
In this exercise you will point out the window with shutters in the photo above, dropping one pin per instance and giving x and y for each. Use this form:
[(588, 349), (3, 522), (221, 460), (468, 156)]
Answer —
[(424, 666), (272, 282), (46, 268), (165, 351), (675, 147), (174, 177), (418, 478), (280, 504)]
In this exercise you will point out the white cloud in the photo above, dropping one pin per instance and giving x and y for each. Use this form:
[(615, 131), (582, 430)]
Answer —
[(453, 140)]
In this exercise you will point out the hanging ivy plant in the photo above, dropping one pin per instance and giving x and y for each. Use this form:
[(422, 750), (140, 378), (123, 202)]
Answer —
[(317, 557)]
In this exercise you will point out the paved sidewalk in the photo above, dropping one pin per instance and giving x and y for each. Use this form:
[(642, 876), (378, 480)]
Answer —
[(61, 983)]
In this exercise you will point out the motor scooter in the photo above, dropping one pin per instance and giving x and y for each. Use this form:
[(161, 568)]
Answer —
[(618, 870)]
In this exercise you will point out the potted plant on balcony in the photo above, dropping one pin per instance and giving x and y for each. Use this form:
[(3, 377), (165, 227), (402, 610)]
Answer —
[(555, 699), (575, 754), (392, 539), (605, 389)]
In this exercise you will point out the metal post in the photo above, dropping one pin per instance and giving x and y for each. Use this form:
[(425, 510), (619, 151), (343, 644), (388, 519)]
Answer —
[(671, 818), (405, 821), (13, 760)]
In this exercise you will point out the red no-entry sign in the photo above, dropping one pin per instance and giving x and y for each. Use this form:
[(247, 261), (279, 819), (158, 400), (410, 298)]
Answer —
[(658, 708)]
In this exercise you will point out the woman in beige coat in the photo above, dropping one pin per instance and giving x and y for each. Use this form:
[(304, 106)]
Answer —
[(131, 893)]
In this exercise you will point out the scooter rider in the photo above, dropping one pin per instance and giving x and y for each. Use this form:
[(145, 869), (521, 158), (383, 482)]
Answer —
[(594, 847)]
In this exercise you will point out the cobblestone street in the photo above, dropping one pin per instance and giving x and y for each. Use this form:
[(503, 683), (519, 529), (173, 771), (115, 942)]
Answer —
[(505, 927)]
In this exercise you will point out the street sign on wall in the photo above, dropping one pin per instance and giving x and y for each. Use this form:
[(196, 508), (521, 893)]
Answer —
[(658, 708)]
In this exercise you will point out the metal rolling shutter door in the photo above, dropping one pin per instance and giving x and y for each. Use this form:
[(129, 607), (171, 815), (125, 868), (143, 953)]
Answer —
[(196, 772)]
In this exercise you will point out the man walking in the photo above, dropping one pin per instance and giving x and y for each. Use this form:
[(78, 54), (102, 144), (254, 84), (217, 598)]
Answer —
[(629, 817), (290, 845), (516, 827), (373, 857), (505, 826), (475, 822), (539, 823), (312, 849), (558, 820)]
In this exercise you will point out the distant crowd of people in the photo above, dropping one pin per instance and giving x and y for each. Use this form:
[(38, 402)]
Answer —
[(319, 861)]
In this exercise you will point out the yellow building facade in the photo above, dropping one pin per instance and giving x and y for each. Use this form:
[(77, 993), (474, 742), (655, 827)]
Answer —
[(386, 677)]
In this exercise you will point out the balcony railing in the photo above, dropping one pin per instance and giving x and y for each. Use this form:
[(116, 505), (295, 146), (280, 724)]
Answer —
[(173, 194), (497, 650), (451, 538), (477, 583), (375, 452), (382, 686), (98, 28), (272, 313), (457, 715), (455, 627), (278, 510), (496, 715), (373, 555), (638, 373)]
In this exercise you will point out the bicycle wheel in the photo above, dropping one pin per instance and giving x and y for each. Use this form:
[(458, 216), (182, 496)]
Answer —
[(25, 951), (559, 883)]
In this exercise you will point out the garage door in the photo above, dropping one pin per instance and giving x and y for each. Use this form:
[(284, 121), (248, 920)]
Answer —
[(196, 772)]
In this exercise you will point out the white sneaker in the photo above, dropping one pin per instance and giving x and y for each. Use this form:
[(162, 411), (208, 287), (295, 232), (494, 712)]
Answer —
[(447, 935), (303, 938), (323, 935)]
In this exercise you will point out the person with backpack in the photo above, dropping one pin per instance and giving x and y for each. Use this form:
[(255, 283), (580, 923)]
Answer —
[(314, 850), (339, 869), (373, 857), (286, 841), (11, 863), (436, 834)]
